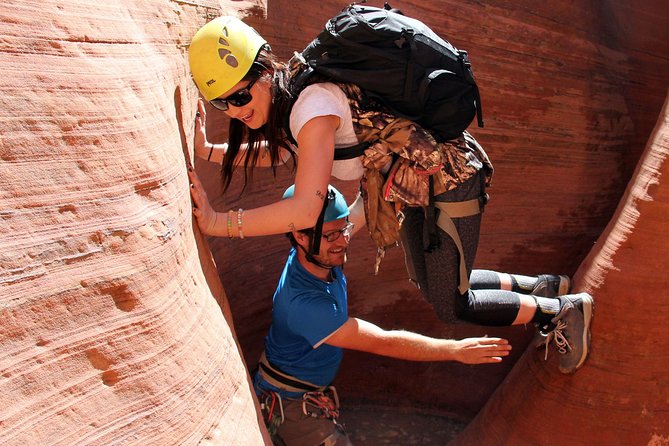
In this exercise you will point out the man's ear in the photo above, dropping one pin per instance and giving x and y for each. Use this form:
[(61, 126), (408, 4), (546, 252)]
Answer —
[(301, 238)]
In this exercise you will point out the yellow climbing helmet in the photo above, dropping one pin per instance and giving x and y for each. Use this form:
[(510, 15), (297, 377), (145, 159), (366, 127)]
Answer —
[(221, 53)]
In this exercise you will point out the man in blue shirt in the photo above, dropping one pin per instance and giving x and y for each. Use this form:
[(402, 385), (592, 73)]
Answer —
[(310, 328)]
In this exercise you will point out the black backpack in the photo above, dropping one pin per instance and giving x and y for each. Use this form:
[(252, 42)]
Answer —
[(399, 62)]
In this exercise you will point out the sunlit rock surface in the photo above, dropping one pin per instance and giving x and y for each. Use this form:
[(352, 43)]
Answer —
[(111, 328)]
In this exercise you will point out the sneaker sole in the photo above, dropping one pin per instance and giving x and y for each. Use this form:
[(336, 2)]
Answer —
[(588, 313)]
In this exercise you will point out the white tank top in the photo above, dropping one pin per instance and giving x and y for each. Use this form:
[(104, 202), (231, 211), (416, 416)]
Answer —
[(326, 99)]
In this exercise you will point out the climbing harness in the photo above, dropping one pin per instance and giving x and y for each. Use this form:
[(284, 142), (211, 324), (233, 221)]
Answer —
[(281, 380)]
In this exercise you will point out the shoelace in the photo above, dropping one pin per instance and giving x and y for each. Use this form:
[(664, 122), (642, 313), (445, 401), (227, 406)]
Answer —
[(558, 336)]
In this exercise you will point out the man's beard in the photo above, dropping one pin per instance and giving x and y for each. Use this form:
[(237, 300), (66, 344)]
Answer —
[(326, 262)]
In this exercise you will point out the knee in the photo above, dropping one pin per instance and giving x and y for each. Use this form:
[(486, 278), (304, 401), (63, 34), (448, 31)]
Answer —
[(486, 310)]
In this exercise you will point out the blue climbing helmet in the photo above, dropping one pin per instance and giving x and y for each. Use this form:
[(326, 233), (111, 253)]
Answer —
[(334, 208)]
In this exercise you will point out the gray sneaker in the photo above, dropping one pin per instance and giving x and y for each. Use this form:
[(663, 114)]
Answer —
[(571, 334), (549, 285)]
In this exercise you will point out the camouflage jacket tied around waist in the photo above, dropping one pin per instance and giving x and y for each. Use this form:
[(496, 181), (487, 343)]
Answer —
[(415, 157)]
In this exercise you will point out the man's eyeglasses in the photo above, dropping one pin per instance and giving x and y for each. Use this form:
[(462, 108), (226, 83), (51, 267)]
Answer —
[(238, 99), (334, 235)]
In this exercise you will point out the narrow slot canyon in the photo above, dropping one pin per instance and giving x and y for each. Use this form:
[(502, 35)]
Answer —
[(121, 324)]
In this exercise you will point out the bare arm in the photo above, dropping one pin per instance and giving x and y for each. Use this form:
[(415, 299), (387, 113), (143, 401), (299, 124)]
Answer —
[(316, 142), (357, 334)]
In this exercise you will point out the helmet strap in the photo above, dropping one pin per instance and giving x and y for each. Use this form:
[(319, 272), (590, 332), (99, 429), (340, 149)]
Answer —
[(311, 259), (315, 241)]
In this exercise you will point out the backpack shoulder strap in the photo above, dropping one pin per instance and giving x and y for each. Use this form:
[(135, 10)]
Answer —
[(302, 75)]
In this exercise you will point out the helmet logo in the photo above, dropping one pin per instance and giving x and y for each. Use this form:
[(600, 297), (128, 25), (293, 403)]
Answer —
[(224, 53)]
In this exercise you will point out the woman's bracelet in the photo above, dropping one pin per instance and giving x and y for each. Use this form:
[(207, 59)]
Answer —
[(230, 214), (239, 222), (210, 152)]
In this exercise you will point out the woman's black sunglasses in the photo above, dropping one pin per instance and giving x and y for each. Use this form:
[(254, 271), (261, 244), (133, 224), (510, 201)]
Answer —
[(238, 99)]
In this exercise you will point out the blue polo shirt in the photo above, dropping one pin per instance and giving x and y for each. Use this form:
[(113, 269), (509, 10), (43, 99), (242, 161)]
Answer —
[(305, 311)]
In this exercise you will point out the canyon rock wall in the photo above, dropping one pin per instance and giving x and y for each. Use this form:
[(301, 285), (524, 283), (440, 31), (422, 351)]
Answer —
[(115, 327), (111, 323)]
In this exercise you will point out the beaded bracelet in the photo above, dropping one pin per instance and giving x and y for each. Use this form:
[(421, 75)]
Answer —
[(239, 222), (230, 213)]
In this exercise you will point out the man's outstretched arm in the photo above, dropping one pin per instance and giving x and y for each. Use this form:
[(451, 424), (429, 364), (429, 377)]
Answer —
[(357, 334)]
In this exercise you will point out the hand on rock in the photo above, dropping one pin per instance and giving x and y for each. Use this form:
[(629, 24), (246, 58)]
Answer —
[(481, 350), (206, 215)]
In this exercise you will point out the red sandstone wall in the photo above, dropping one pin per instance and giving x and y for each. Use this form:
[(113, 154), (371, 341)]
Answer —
[(570, 94), (111, 329)]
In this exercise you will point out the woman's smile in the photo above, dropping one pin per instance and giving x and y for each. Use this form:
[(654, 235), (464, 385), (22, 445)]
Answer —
[(255, 113)]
